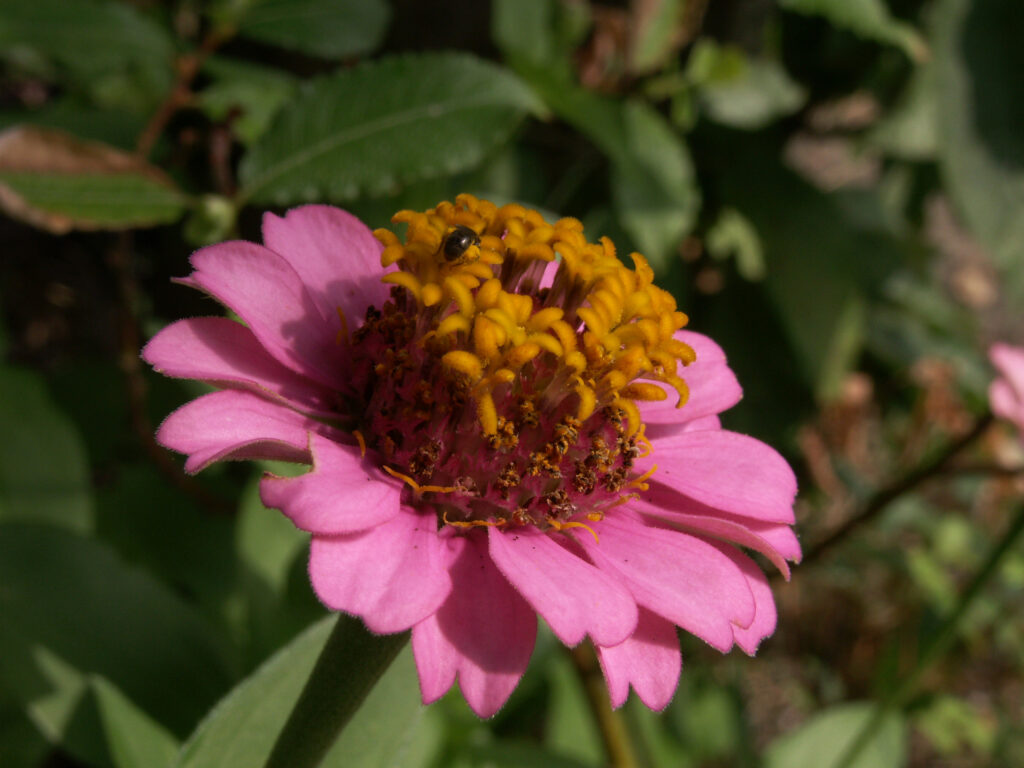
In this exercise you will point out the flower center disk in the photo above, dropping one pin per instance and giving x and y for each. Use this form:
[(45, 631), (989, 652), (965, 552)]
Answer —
[(501, 380)]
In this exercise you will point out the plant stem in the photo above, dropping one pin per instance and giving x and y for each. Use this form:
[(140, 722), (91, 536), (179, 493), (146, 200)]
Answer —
[(610, 723), (943, 639), (321, 713), (885, 496)]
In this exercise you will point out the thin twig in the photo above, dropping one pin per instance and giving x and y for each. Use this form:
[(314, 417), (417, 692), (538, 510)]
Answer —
[(135, 384), (613, 728), (180, 95), (885, 496)]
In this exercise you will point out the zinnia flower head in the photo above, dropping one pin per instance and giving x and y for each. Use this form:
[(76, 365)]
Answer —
[(505, 421), (1006, 393)]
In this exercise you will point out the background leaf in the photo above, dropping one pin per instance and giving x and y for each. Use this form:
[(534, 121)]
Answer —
[(134, 739), (44, 475), (821, 741), (867, 18), (58, 182), (332, 29), (385, 124), (71, 607), (980, 114), (242, 729)]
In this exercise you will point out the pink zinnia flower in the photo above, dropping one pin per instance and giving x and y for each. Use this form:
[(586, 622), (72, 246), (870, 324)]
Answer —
[(1006, 393), (505, 422)]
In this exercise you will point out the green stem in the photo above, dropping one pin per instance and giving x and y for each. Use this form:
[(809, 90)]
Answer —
[(321, 713), (610, 723), (943, 639)]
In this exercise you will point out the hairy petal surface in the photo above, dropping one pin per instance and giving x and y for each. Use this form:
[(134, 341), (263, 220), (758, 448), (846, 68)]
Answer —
[(678, 576), (392, 576), (266, 292), (224, 353), (344, 493), (724, 470), (483, 633), (334, 253), (573, 597), (649, 660), (234, 424)]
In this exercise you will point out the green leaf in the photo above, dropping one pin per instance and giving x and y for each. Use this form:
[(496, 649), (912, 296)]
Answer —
[(117, 128), (21, 744), (384, 124), (981, 110), (331, 29), (58, 182), (821, 741), (732, 235), (869, 19), (70, 608), (100, 45), (741, 92), (654, 188), (509, 754), (911, 129), (570, 729), (251, 95), (86, 34), (133, 738), (656, 33), (242, 729), (44, 474), (539, 33)]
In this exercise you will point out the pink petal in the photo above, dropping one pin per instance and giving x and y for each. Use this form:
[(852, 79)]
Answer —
[(1009, 361), (713, 386), (484, 633), (725, 470), (1004, 402), (225, 353), (678, 576), (701, 520), (343, 494), (649, 661), (392, 576), (765, 615), (335, 254), (264, 290), (237, 425), (572, 596)]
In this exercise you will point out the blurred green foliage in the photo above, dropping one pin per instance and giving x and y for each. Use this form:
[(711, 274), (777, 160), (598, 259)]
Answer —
[(833, 189)]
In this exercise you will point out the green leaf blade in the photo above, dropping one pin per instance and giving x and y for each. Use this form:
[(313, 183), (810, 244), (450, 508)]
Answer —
[(381, 125), (331, 29)]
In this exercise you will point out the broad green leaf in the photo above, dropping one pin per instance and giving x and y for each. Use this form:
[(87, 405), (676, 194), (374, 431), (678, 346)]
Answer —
[(133, 738), (332, 29), (981, 110), (539, 33), (242, 728), (654, 189), (732, 235), (510, 754), (99, 44), (247, 93), (869, 19), (89, 34), (821, 741), (117, 128), (44, 473), (738, 91), (58, 182), (654, 33), (381, 125), (267, 541), (71, 607)]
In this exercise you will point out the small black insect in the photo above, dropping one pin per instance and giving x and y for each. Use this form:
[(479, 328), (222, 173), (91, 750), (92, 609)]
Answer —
[(458, 241)]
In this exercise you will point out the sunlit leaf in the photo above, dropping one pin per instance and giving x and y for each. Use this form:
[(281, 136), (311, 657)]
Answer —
[(44, 474), (327, 28), (242, 728), (57, 182), (385, 124), (823, 739), (133, 738), (247, 94)]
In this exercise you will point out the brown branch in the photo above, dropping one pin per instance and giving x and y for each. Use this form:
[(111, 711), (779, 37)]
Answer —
[(180, 95), (131, 366), (879, 500)]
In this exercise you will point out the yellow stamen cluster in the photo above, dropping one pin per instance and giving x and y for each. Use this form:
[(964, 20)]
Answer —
[(600, 330)]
